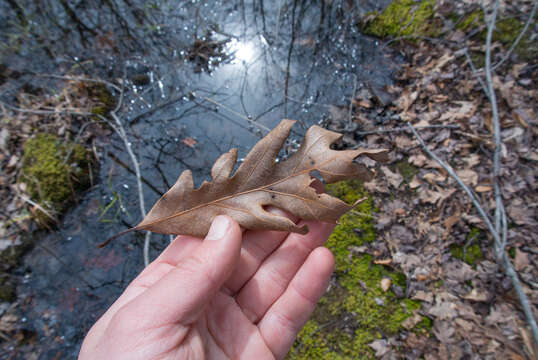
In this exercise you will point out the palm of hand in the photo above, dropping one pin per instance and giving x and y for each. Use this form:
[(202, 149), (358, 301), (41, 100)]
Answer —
[(223, 299)]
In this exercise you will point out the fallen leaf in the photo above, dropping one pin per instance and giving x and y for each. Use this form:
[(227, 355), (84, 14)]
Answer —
[(434, 178), (423, 296), (261, 182), (469, 177), (383, 262), (385, 284), (465, 110), (478, 295), (381, 347), (190, 142), (410, 322), (393, 178), (415, 183), (451, 221), (483, 188), (521, 260), (406, 100)]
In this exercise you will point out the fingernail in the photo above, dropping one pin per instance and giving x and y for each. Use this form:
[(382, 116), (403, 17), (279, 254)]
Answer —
[(218, 228)]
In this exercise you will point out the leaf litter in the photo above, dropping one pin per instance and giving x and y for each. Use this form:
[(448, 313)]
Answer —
[(473, 307)]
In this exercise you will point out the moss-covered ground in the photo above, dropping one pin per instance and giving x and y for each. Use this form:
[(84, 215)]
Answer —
[(407, 18), (472, 253), (54, 170), (356, 310), (506, 32)]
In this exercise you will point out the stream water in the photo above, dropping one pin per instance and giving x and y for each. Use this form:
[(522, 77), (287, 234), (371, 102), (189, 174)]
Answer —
[(213, 73)]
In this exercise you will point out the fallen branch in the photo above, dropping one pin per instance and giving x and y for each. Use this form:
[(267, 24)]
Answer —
[(120, 130), (401, 129), (45, 112)]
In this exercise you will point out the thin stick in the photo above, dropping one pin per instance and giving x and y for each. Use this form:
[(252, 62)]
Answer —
[(233, 112), (45, 112), (39, 207), (508, 268), (353, 98), (402, 129), (81, 79), (120, 130)]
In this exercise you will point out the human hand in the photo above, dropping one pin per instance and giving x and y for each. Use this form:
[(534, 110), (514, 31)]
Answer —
[(230, 296)]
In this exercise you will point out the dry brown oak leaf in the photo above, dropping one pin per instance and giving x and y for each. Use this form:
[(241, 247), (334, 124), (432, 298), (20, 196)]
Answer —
[(260, 182)]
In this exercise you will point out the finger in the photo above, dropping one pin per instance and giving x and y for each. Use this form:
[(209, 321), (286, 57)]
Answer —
[(289, 313), (182, 294), (181, 247), (256, 247), (274, 275)]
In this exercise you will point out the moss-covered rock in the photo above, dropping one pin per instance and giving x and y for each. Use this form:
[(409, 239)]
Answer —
[(404, 18), (356, 310), (54, 170)]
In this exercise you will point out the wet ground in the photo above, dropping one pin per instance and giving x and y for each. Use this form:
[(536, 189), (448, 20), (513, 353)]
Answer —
[(201, 77)]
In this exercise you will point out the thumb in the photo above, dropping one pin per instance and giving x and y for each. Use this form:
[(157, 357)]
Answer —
[(182, 294)]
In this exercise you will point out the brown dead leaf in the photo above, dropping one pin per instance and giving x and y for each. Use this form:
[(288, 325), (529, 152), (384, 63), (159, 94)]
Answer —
[(521, 260), (393, 178), (410, 322), (464, 110), (415, 183), (381, 347), (190, 142), (385, 284), (433, 178), (406, 100), (451, 221), (478, 296), (469, 177), (483, 188), (261, 182), (383, 262)]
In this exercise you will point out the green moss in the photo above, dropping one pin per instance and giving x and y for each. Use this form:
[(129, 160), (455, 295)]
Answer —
[(471, 255), (405, 18), (407, 170), (471, 21), (356, 311), (104, 99), (54, 170), (506, 32), (512, 252)]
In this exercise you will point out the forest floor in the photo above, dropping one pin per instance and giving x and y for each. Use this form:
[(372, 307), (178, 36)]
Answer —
[(426, 224)]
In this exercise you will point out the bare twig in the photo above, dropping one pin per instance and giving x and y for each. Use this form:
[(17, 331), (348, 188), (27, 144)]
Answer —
[(501, 226), (46, 112), (120, 130), (249, 120), (37, 206), (496, 128), (352, 98), (402, 129), (81, 79), (475, 72)]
